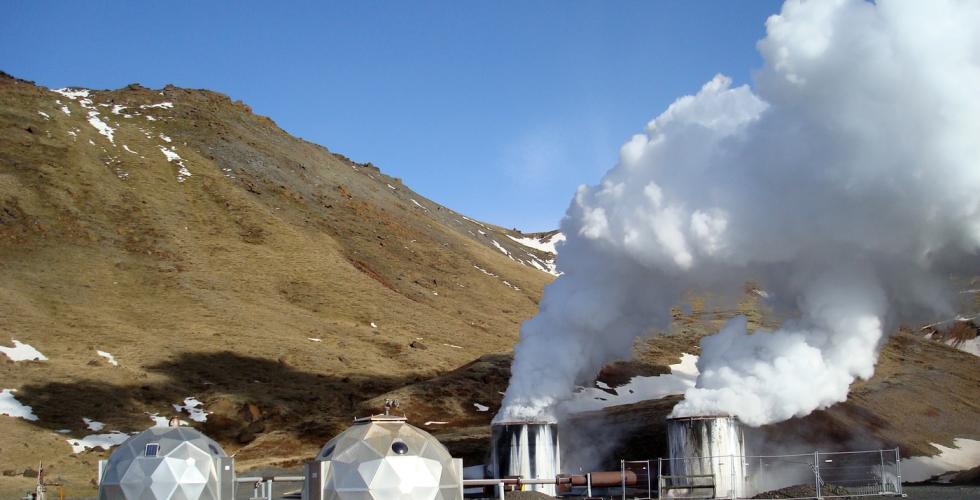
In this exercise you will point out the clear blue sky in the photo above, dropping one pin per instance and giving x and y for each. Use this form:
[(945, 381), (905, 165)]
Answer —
[(496, 109)]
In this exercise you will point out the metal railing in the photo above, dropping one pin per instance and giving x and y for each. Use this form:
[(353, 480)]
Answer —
[(816, 475)]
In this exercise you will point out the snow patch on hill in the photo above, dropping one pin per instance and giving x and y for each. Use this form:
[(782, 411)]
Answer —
[(681, 377), (22, 352)]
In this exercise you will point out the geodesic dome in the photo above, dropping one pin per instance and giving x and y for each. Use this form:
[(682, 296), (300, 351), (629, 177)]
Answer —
[(168, 463), (384, 458)]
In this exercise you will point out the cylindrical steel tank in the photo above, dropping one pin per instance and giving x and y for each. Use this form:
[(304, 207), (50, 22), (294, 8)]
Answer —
[(707, 451), (528, 449)]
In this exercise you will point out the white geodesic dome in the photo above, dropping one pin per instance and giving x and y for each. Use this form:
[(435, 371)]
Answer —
[(167, 463), (384, 458)]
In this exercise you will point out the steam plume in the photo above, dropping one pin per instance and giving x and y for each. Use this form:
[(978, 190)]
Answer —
[(846, 182)]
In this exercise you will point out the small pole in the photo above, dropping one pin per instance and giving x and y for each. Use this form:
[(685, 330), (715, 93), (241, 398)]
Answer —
[(500, 490), (660, 476), (622, 472), (268, 490), (898, 472), (649, 485), (588, 484), (884, 487), (816, 471)]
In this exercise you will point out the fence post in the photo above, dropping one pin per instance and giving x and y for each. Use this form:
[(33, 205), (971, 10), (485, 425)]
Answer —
[(660, 476), (269, 490), (898, 471), (588, 484), (884, 487), (816, 472), (649, 483), (500, 490), (622, 472)]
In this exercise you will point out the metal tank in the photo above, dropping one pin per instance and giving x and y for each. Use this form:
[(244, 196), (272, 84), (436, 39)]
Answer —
[(528, 449), (167, 463), (384, 458), (706, 452)]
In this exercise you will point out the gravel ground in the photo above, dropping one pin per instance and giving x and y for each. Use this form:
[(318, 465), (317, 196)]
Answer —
[(935, 492)]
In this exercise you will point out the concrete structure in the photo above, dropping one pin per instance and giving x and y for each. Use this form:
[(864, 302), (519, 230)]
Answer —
[(526, 449), (167, 463), (707, 450), (384, 458)]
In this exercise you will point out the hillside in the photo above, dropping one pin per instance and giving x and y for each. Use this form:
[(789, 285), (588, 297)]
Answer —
[(215, 256), (170, 247)]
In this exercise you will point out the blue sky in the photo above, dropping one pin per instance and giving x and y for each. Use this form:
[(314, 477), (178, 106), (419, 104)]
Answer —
[(496, 109)]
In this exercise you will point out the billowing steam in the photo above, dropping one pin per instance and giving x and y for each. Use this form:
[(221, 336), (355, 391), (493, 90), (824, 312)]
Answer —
[(846, 182)]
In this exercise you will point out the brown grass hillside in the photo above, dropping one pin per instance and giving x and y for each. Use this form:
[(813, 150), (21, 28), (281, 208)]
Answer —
[(289, 289), (212, 287)]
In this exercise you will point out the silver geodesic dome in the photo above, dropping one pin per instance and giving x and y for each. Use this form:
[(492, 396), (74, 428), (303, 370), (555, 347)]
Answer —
[(174, 463), (384, 458)]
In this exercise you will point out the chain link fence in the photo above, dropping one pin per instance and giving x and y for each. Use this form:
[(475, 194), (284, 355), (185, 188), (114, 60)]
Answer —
[(815, 475)]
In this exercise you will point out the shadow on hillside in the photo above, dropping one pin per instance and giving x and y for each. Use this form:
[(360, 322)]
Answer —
[(248, 396)]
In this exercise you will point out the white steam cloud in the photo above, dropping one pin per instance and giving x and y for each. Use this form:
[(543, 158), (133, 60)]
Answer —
[(845, 182)]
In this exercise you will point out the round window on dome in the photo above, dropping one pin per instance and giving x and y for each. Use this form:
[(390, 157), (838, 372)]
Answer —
[(399, 447)]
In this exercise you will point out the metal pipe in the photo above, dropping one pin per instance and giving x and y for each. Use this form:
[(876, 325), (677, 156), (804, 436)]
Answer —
[(588, 489)]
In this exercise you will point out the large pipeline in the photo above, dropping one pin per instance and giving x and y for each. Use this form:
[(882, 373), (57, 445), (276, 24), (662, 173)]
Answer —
[(600, 479)]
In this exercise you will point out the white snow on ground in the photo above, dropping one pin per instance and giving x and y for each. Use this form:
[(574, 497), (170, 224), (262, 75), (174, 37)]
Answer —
[(480, 407), (71, 93), (110, 358), (93, 115), (435, 422), (312, 339), (418, 204), (510, 285), (392, 187), (971, 346), (681, 377), (373, 325), (11, 407), (194, 408), (101, 126), (150, 118), (165, 138), (500, 247), (546, 245), (129, 150), (104, 441), (93, 425), (166, 105), (965, 454), (22, 352), (484, 271), (74, 133), (159, 421), (172, 156), (473, 221), (117, 110), (45, 115)]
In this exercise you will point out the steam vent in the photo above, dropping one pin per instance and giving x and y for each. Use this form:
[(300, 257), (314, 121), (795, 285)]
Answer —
[(526, 449), (708, 450), (165, 463), (384, 458)]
